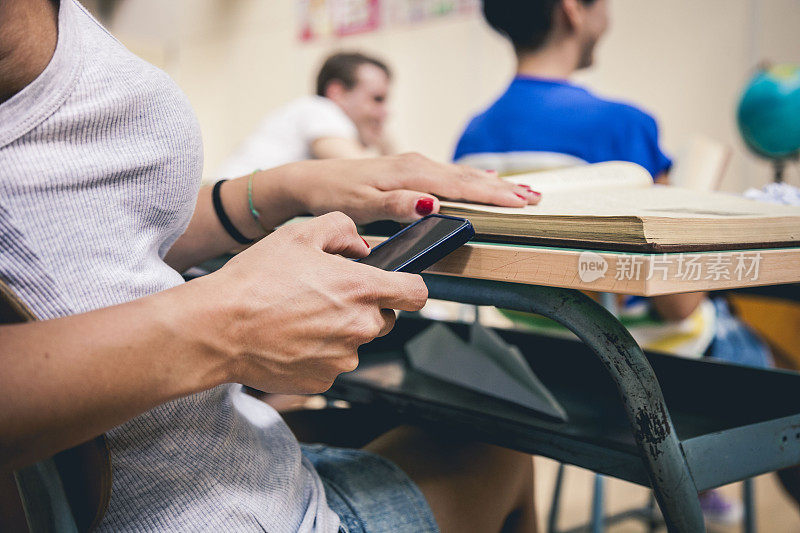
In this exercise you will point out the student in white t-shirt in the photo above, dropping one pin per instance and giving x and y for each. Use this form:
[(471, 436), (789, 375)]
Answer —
[(344, 119)]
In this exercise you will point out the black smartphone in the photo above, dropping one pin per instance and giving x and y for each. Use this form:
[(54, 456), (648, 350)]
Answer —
[(421, 244)]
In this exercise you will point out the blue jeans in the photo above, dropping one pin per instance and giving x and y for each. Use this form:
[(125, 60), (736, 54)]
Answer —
[(734, 342), (370, 493)]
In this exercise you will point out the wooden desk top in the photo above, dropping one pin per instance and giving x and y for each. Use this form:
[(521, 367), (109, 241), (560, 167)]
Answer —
[(621, 272)]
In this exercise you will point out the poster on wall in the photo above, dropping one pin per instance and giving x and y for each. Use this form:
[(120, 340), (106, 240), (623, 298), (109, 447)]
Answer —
[(339, 18), (401, 12)]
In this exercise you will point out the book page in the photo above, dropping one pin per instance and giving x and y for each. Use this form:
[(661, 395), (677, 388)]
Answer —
[(655, 201), (600, 176), (700, 165)]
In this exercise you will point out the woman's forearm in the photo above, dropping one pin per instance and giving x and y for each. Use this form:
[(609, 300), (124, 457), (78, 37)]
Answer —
[(67, 380), (286, 315), (675, 307), (366, 190), (205, 237)]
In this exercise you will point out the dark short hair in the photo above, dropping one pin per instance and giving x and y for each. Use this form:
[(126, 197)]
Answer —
[(527, 23), (342, 67)]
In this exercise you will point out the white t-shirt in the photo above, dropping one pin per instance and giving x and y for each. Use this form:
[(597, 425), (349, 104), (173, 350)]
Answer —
[(286, 135)]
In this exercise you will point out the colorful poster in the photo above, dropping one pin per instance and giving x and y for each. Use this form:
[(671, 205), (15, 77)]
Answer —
[(339, 18), (400, 12), (355, 16)]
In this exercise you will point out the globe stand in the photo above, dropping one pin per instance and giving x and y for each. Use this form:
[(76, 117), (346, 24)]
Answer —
[(779, 165)]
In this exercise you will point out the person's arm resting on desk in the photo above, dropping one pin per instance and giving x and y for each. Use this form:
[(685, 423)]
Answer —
[(339, 148), (366, 190)]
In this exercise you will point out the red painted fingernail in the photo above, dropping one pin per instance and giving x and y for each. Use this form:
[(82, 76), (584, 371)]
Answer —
[(365, 241), (424, 206), (536, 195), (525, 187), (492, 171), (521, 197)]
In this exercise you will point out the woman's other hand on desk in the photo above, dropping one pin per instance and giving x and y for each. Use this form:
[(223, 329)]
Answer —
[(403, 188), (294, 312)]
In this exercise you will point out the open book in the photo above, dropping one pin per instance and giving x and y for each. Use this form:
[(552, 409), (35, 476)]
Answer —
[(616, 206)]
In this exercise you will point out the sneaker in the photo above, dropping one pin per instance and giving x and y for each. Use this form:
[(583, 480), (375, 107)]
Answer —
[(719, 509)]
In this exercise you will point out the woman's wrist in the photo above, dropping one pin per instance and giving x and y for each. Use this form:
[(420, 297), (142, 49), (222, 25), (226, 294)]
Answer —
[(278, 194), (202, 351), (274, 196), (317, 186)]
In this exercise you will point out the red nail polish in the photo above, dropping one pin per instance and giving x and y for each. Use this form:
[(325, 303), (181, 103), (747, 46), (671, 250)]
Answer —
[(536, 194), (424, 206), (525, 187), (521, 197), (365, 241), (492, 171)]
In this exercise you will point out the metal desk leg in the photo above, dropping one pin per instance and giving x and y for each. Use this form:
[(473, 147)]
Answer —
[(749, 497), (552, 519), (598, 519), (652, 523), (638, 387)]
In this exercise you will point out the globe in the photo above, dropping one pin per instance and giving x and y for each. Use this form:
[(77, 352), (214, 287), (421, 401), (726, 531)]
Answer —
[(769, 112)]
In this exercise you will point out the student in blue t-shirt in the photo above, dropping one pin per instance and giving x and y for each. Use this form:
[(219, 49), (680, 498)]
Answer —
[(541, 121), (544, 121)]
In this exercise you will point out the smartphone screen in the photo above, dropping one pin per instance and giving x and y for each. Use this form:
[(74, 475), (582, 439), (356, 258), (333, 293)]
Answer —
[(413, 241)]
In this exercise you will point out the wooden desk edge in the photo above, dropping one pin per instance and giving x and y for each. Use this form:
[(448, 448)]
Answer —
[(625, 273)]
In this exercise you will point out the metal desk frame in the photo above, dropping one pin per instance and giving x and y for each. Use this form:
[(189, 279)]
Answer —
[(623, 359)]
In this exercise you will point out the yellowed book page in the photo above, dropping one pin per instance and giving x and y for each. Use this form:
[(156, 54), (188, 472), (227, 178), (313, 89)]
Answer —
[(656, 201), (598, 177)]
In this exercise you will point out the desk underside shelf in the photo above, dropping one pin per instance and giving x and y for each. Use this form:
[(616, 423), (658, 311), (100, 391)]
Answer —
[(725, 434)]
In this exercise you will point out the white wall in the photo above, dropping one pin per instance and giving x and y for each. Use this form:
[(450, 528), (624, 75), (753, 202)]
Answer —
[(685, 61)]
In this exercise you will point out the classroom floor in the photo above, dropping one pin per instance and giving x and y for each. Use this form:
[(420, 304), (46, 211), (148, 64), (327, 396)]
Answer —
[(775, 513)]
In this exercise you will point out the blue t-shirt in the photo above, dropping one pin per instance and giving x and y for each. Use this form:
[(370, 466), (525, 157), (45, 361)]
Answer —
[(539, 122), (538, 115)]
